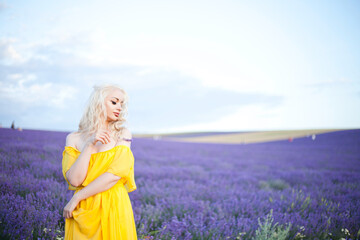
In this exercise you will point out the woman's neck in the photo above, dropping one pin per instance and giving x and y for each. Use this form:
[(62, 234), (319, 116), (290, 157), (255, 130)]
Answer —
[(105, 125)]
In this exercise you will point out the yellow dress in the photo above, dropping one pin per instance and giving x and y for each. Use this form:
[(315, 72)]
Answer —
[(109, 214)]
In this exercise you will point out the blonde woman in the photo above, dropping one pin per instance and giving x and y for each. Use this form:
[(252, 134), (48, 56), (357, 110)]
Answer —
[(99, 165)]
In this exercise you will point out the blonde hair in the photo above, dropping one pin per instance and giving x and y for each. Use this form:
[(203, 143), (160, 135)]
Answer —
[(95, 112)]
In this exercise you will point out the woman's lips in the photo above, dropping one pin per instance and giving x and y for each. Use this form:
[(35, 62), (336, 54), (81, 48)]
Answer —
[(116, 114)]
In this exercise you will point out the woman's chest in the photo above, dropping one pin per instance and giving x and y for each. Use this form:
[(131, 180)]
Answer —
[(99, 147)]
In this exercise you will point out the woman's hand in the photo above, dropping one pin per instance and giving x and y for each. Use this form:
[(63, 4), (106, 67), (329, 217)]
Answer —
[(101, 135), (70, 206)]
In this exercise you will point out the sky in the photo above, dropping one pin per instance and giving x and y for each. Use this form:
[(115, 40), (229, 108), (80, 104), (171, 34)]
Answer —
[(186, 65)]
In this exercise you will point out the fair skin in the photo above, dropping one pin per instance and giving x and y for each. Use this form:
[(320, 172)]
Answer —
[(99, 142)]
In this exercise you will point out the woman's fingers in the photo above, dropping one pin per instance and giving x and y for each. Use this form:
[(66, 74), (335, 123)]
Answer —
[(67, 214), (103, 136), (108, 133), (106, 137), (101, 139)]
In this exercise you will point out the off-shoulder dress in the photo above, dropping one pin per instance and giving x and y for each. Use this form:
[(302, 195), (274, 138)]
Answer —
[(109, 214)]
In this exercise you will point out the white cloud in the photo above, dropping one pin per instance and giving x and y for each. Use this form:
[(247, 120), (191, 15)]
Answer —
[(8, 54), (250, 117), (28, 93), (212, 63), (15, 76)]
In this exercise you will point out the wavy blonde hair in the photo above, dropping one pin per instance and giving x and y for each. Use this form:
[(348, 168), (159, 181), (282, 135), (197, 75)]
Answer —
[(95, 112)]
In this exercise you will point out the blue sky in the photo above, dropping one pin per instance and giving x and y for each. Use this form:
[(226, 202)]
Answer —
[(186, 65)]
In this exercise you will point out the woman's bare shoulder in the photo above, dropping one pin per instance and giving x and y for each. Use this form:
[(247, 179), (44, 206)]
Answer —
[(126, 133), (125, 138), (72, 139)]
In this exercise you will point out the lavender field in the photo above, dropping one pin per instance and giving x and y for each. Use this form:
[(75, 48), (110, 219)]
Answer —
[(196, 191)]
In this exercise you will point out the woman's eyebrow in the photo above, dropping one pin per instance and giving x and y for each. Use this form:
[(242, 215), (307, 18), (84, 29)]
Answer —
[(116, 98)]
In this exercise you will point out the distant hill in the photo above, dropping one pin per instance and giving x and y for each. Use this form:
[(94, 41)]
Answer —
[(239, 137)]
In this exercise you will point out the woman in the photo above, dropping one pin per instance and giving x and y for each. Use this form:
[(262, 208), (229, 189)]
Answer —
[(99, 165)]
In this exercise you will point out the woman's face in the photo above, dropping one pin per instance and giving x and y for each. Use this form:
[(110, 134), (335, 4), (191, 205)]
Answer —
[(113, 104)]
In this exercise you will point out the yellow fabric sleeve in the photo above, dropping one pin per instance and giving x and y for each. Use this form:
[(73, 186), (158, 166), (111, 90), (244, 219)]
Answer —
[(123, 166), (69, 157)]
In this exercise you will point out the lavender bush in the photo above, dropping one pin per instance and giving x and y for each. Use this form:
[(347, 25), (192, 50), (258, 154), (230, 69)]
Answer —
[(196, 191)]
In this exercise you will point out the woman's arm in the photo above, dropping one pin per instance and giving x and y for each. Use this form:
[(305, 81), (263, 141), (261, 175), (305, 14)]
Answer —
[(78, 171), (104, 182)]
